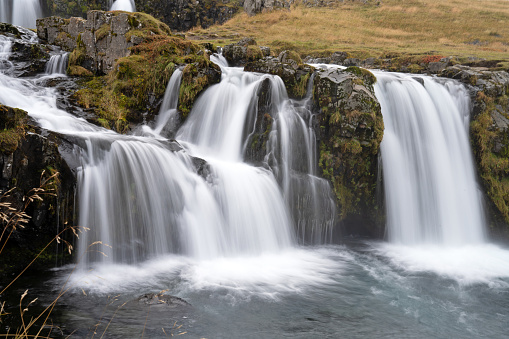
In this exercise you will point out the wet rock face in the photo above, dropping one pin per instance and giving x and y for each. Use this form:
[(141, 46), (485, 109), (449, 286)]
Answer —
[(489, 134), (36, 156), (100, 40), (349, 130), (28, 57)]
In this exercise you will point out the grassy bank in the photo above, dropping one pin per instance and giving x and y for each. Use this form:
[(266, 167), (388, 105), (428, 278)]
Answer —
[(460, 27)]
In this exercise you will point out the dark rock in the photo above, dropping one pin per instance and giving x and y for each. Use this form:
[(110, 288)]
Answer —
[(22, 168), (245, 50), (181, 15), (295, 76), (349, 130), (97, 42), (257, 6), (351, 62), (338, 58), (436, 67)]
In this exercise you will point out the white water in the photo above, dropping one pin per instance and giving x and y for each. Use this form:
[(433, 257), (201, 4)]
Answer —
[(430, 186), (57, 64), (231, 251), (123, 5), (26, 12)]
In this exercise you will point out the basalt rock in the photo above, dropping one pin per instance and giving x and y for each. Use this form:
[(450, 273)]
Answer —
[(28, 57), (182, 15), (98, 42), (489, 134), (349, 130), (28, 162), (244, 51), (289, 67)]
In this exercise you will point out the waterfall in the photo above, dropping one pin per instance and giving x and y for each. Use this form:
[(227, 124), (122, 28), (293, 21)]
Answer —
[(167, 119), (221, 123), (123, 5), (57, 64), (26, 12), (5, 11), (430, 185)]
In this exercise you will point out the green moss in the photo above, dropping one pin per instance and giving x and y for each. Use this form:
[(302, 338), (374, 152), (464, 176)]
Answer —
[(368, 78), (300, 88), (13, 123), (254, 53), (125, 92), (102, 32), (493, 167)]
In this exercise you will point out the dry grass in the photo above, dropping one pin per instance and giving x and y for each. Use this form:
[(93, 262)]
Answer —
[(459, 27)]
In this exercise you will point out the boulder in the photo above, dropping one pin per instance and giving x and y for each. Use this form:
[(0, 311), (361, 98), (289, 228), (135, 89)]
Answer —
[(244, 51)]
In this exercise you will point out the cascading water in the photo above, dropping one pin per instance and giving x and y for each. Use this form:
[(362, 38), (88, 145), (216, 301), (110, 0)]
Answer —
[(123, 5), (24, 12), (431, 191), (229, 227), (57, 64), (5, 11)]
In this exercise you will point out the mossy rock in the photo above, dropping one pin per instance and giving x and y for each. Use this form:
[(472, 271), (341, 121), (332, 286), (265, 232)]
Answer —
[(12, 128), (350, 129)]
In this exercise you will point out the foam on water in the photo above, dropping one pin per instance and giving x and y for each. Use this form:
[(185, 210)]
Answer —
[(468, 264), (266, 275)]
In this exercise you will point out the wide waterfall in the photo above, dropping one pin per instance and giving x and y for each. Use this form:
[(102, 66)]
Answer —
[(20, 12), (123, 5), (431, 191), (204, 219)]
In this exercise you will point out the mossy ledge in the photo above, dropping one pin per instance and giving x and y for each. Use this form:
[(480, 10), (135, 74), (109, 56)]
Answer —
[(125, 61)]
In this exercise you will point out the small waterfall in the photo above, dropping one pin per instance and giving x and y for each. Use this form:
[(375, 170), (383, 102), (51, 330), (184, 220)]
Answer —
[(292, 154), (123, 5), (26, 12), (57, 64), (430, 185), (167, 119)]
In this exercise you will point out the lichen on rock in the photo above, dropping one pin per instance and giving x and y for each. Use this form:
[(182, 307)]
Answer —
[(350, 130)]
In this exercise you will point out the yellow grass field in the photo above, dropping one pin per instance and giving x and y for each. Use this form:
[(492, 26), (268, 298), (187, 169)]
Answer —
[(459, 27)]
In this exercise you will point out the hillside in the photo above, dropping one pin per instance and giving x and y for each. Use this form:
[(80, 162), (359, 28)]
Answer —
[(373, 29)]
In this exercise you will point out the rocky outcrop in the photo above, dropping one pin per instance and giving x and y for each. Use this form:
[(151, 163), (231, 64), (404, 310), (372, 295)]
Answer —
[(253, 7), (28, 57), (244, 51), (24, 164), (289, 67), (139, 55), (489, 133), (179, 15), (349, 130), (98, 42)]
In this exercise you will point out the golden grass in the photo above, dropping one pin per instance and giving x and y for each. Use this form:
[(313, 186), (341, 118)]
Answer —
[(459, 27)]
